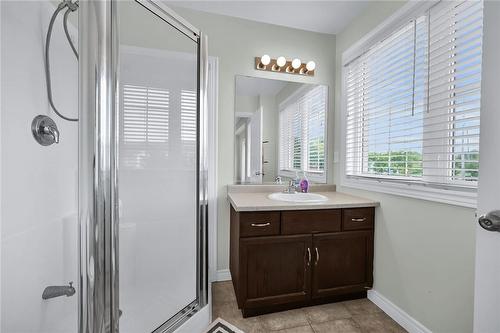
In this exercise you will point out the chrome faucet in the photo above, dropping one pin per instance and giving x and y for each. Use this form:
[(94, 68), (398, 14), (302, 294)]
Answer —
[(56, 291), (52, 131), (290, 189)]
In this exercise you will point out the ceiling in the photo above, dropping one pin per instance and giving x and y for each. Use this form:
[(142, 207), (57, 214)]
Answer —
[(319, 16)]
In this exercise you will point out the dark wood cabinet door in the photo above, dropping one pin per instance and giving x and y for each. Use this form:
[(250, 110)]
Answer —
[(342, 263), (275, 270)]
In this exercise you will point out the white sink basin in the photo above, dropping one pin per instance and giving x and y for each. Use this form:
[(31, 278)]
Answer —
[(298, 197)]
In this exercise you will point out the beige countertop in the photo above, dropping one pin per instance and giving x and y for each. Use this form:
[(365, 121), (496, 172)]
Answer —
[(246, 200)]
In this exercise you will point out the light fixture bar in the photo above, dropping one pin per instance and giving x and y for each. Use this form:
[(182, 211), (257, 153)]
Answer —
[(281, 65)]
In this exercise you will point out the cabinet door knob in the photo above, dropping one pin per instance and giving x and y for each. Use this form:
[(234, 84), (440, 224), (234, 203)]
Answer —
[(308, 256), (260, 224), (317, 255), (359, 220)]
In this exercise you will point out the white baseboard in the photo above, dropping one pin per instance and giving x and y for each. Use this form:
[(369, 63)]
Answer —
[(401, 317), (223, 275)]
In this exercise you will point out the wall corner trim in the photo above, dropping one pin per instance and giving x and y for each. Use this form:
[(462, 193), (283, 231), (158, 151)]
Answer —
[(222, 275), (399, 315)]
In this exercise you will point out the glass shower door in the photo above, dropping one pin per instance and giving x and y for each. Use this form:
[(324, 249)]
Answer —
[(158, 171), (142, 193)]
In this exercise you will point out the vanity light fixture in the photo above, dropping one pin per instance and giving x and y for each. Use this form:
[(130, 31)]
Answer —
[(281, 65), (264, 61)]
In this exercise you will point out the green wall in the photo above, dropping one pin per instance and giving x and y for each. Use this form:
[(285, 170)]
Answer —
[(424, 251), (236, 42)]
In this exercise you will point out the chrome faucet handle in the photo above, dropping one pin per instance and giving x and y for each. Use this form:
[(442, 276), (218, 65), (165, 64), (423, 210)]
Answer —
[(277, 180), (52, 131), (44, 130), (290, 188)]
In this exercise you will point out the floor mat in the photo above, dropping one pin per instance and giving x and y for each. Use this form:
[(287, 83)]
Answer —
[(221, 326)]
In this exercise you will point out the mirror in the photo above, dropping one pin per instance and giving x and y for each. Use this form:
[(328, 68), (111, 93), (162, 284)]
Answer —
[(279, 131)]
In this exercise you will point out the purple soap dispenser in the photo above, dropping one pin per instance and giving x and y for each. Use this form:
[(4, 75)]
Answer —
[(304, 184)]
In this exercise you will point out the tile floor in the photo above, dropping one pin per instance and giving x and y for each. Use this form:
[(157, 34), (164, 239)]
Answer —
[(357, 316)]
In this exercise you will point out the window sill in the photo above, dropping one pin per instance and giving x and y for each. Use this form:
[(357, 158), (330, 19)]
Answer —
[(416, 191)]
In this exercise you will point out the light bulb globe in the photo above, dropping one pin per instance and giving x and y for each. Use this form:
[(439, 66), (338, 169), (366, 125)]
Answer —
[(265, 60), (281, 61), (311, 65)]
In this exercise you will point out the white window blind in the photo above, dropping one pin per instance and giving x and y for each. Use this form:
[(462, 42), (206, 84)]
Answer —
[(188, 115), (145, 114), (290, 138), (413, 99), (144, 122), (315, 112), (188, 126), (302, 132)]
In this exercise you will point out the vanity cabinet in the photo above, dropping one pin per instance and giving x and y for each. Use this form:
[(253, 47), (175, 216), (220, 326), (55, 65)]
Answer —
[(286, 259)]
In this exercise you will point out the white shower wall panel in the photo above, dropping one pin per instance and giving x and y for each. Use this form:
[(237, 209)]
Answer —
[(38, 184)]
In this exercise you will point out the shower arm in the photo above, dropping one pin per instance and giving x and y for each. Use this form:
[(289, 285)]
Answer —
[(72, 6)]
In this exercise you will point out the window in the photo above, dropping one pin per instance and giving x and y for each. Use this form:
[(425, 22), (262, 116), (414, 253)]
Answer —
[(302, 133), (412, 101)]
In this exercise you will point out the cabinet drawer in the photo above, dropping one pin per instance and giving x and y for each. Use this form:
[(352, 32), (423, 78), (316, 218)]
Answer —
[(259, 224), (358, 218), (310, 221)]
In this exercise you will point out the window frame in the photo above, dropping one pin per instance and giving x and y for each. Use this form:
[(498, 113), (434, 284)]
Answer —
[(316, 177), (419, 189)]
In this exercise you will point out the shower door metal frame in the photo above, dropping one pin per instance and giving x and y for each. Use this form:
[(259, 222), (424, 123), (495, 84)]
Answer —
[(98, 285), (97, 168)]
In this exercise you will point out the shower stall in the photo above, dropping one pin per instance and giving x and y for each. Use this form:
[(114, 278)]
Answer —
[(103, 167)]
